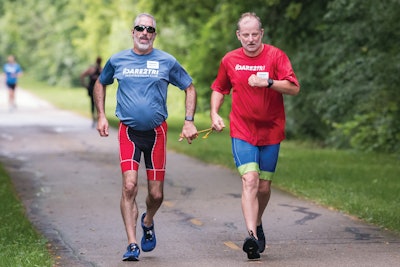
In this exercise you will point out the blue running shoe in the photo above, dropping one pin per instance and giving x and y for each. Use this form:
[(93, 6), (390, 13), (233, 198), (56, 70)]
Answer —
[(132, 253), (261, 238), (149, 237)]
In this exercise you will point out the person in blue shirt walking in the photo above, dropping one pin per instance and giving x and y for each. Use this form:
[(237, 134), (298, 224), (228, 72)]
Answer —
[(12, 71), (143, 74)]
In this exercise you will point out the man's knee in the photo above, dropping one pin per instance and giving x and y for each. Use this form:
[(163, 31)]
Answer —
[(264, 187), (130, 185), (156, 191), (156, 196), (250, 179)]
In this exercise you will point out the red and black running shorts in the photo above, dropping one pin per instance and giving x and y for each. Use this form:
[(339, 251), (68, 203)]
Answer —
[(152, 144)]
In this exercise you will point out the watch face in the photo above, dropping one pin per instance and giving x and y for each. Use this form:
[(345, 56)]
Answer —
[(270, 82), (189, 118)]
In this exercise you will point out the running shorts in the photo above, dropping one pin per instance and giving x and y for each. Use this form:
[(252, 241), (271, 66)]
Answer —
[(11, 86), (261, 159), (152, 144)]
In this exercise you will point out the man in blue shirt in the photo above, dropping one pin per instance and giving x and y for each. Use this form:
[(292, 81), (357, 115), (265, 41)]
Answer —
[(12, 72), (143, 75)]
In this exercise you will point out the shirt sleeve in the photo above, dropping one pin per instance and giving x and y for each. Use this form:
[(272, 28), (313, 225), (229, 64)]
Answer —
[(107, 75), (19, 69), (222, 83), (285, 70), (179, 77)]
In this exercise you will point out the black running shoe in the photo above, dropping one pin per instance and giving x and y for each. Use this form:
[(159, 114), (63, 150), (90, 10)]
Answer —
[(250, 246), (261, 238)]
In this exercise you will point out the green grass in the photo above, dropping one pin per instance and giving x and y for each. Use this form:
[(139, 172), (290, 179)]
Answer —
[(365, 185), (20, 244), (362, 184)]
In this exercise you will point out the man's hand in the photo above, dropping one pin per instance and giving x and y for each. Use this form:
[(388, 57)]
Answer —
[(189, 132), (102, 126), (217, 123), (256, 81)]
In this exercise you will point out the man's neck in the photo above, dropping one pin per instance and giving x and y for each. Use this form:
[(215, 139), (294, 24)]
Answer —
[(141, 51)]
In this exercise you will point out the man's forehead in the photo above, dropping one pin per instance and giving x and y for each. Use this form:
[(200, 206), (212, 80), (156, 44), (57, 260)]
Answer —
[(145, 21), (248, 22)]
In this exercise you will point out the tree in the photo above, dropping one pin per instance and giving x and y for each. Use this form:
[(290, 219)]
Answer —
[(360, 102)]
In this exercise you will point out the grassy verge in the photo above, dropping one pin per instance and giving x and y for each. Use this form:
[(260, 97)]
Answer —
[(362, 184), (365, 185), (20, 244)]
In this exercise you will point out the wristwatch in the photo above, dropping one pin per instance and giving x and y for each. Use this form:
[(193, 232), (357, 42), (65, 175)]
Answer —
[(270, 83), (189, 118)]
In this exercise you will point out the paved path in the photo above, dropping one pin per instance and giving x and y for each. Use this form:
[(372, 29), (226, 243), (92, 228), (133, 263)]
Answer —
[(68, 179)]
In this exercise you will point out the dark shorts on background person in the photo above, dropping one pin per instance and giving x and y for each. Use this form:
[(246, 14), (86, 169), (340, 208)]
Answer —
[(11, 86), (261, 159), (151, 143)]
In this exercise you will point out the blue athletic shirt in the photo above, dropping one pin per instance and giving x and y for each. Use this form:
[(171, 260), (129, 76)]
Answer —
[(142, 86), (11, 71)]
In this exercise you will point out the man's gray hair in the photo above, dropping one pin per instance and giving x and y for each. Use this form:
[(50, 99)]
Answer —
[(249, 15), (144, 15)]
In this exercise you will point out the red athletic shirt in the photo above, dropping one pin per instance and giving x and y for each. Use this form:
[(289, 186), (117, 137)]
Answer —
[(257, 114)]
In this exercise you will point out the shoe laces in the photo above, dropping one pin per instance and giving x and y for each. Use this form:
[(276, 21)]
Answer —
[(149, 234), (133, 247)]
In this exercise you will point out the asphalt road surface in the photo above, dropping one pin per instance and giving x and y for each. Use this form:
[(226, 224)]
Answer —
[(69, 181)]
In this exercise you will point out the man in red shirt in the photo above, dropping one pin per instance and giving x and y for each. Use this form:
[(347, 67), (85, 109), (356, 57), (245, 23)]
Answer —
[(258, 75)]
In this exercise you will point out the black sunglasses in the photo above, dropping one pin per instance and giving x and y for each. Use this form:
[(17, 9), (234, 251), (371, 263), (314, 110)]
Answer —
[(141, 28)]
